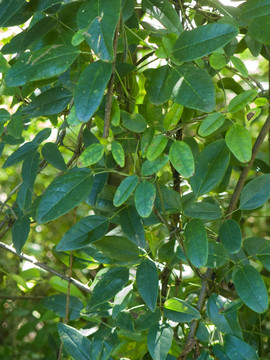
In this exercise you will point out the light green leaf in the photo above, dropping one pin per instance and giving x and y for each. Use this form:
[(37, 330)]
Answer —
[(255, 193), (203, 210), (147, 282), (63, 194), (125, 189), (259, 29), (255, 8), (237, 349), (159, 340), (156, 147), (211, 123), (210, 168), (57, 304), (45, 63), (52, 155), (173, 116), (90, 89), (151, 167), (217, 61), (251, 288), (132, 226), (4, 65), (76, 345), (231, 236), (84, 232), (180, 311), (181, 157), (241, 100), (92, 154), (144, 198), (239, 65), (196, 243), (118, 153), (193, 88), (202, 41), (133, 122), (20, 231)]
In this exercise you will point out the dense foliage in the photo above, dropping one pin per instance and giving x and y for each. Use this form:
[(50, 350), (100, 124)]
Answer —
[(134, 180)]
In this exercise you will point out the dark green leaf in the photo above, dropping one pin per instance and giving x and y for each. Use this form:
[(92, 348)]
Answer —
[(147, 282), (147, 319), (259, 29), (133, 122), (151, 167), (8, 9), (203, 210), (167, 200), (53, 156), (144, 198), (211, 123), (180, 311), (237, 349), (255, 193), (57, 304), (159, 340), (15, 127), (20, 154), (217, 255), (132, 226), (255, 8), (125, 189), (196, 243), (230, 236), (20, 232), (181, 157), (63, 194)]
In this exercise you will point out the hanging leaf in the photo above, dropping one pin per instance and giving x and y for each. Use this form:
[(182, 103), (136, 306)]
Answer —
[(173, 116), (156, 147), (125, 189), (118, 153), (132, 226), (21, 153), (147, 282), (146, 139), (144, 198), (239, 65), (180, 311), (20, 232), (251, 288), (50, 61), (202, 41), (210, 168), (196, 243), (90, 89), (53, 156), (181, 157), (231, 236), (159, 340), (255, 193), (241, 100), (15, 127), (63, 194), (92, 154), (84, 232), (211, 123), (8, 10)]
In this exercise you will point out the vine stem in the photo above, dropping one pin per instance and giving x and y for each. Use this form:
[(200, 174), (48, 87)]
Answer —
[(190, 342)]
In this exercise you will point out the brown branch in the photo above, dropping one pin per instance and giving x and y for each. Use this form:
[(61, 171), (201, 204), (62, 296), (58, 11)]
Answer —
[(108, 107), (39, 264)]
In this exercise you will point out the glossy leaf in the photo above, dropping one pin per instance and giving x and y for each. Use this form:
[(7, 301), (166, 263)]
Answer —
[(238, 140), (202, 40), (230, 235), (156, 147), (125, 189), (92, 154), (241, 100), (144, 198), (90, 89), (20, 232), (203, 210), (147, 282), (57, 304), (196, 243), (118, 153), (85, 231), (159, 340), (255, 193), (52, 155), (180, 311), (211, 123), (44, 63), (132, 226), (167, 199), (251, 288), (181, 157), (151, 167), (210, 168), (133, 122), (63, 194)]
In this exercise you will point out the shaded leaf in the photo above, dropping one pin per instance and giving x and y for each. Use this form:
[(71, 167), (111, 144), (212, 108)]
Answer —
[(118, 153), (151, 167), (203, 210), (147, 282), (217, 255), (20, 231), (255, 193), (133, 122), (57, 304), (132, 226), (159, 340), (144, 198), (52, 155), (196, 243), (118, 248), (237, 349), (231, 236)]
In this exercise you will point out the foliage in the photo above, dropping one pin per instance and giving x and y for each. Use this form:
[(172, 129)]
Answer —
[(135, 180)]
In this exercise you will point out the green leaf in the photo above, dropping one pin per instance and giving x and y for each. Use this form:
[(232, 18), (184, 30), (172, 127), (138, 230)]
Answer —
[(103, 19), (50, 102), (90, 89), (4, 65), (125, 189), (167, 199), (147, 282), (196, 243), (53, 156), (181, 157), (118, 248), (203, 210), (4, 116), (92, 154), (133, 122), (210, 168), (237, 349), (225, 323), (57, 304), (255, 8), (110, 283), (211, 123), (217, 255), (180, 311), (202, 41), (8, 10), (76, 345), (239, 65), (255, 193), (147, 319), (20, 154), (144, 198), (151, 167), (15, 127), (232, 306), (132, 226), (231, 236), (217, 61), (259, 29), (85, 231), (173, 116), (193, 88), (20, 231), (251, 288), (45, 63), (241, 100), (258, 248), (164, 13), (63, 194), (146, 139), (118, 153), (156, 147), (159, 340)]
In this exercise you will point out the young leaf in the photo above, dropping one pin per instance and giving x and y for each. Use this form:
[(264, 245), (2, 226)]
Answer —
[(231, 236), (156, 147), (211, 123), (20, 232), (125, 189), (255, 193), (159, 340), (144, 198), (251, 288), (196, 243), (147, 283), (238, 140), (239, 65), (118, 153), (241, 100), (92, 154), (132, 226), (63, 194), (53, 156), (180, 311), (181, 157)]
